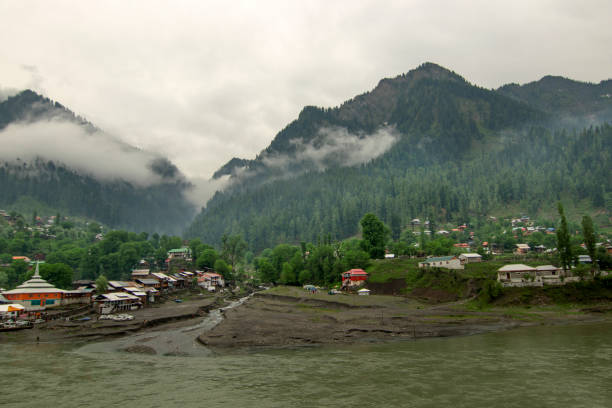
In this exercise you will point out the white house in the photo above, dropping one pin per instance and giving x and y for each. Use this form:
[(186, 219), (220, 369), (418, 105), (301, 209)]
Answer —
[(516, 275), (448, 262)]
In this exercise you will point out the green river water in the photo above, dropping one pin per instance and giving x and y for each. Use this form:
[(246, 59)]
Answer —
[(560, 366)]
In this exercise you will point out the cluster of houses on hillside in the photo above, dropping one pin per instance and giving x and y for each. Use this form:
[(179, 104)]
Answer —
[(41, 225)]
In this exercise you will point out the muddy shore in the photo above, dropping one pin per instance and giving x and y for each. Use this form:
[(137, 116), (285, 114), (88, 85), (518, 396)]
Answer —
[(291, 317), (168, 315)]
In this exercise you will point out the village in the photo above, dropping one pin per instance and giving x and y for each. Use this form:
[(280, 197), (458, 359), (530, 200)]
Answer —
[(36, 300), (152, 284)]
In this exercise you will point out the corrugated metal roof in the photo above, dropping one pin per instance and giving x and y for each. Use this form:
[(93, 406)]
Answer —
[(148, 281)]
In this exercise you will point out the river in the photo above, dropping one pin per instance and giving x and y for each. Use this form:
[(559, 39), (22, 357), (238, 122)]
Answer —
[(544, 366)]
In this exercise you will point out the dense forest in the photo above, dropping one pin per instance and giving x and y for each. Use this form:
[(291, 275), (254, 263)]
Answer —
[(534, 169), (462, 152)]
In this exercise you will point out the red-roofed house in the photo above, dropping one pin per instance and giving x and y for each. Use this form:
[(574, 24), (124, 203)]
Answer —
[(211, 281), (354, 277)]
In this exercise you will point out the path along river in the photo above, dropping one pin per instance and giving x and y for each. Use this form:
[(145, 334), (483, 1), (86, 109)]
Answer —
[(544, 366)]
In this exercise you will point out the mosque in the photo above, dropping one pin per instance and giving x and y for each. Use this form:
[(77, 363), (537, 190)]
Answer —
[(35, 294)]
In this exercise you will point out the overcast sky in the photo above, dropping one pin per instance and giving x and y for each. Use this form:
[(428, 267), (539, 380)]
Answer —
[(204, 81)]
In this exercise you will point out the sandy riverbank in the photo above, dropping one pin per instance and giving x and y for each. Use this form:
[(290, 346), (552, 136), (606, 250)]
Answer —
[(285, 317)]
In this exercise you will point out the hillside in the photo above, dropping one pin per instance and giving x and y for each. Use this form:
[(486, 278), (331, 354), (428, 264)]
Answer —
[(52, 157), (563, 97), (452, 151), (430, 108)]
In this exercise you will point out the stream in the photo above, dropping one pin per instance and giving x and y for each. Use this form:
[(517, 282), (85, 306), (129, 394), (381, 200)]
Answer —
[(169, 342)]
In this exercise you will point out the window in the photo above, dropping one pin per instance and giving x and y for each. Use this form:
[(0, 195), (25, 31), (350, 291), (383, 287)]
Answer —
[(35, 302), (50, 301)]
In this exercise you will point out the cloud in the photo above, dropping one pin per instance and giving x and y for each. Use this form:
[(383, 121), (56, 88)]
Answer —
[(202, 189), (331, 146), (6, 93), (90, 152), (202, 82)]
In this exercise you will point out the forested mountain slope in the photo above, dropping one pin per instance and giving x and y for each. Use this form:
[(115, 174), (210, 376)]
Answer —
[(565, 97), (60, 160), (457, 151)]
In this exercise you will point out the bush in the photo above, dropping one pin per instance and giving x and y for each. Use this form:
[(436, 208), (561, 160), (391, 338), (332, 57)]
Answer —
[(490, 291)]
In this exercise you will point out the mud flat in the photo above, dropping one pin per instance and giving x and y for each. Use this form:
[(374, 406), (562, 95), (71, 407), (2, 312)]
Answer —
[(286, 317)]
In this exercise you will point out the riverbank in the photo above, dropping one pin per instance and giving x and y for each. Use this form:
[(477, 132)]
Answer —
[(289, 316), (167, 315)]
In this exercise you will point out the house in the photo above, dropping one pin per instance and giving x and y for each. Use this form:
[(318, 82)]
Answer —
[(522, 249), (389, 256), (211, 281), (83, 283), (118, 285), (140, 273), (470, 258), (149, 283), (549, 274), (448, 262), (354, 277), (116, 302), (363, 292), (138, 292), (80, 295), (180, 253), (163, 279), (179, 281), (584, 259), (516, 275), (462, 245), (22, 258)]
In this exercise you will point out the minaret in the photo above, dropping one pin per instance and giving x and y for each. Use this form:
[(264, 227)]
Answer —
[(36, 272)]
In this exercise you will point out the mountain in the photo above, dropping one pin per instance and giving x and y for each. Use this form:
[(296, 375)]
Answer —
[(430, 106), (563, 98), (424, 144), (55, 158)]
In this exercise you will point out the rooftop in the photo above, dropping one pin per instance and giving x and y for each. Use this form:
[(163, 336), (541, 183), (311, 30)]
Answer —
[(35, 285), (439, 259), (516, 268)]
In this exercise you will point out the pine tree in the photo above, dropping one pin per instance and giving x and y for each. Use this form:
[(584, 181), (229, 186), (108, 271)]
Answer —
[(563, 241), (588, 233)]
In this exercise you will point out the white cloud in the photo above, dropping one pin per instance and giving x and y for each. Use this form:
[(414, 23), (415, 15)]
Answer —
[(330, 147), (92, 153), (201, 82)]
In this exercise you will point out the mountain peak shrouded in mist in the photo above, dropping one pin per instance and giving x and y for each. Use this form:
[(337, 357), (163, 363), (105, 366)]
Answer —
[(414, 105), (29, 106), (72, 166)]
